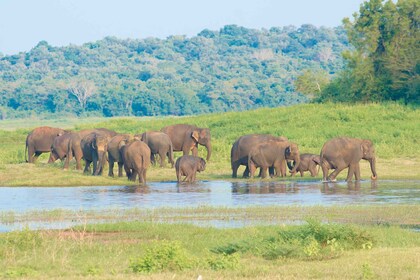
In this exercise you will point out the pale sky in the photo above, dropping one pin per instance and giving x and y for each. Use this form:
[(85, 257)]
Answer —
[(23, 23)]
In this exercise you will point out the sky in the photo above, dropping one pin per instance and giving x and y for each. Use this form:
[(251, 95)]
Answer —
[(24, 23)]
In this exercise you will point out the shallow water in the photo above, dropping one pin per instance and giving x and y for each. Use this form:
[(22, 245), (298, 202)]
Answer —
[(209, 193)]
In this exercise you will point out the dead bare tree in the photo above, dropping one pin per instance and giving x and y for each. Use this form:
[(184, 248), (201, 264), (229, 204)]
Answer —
[(82, 90)]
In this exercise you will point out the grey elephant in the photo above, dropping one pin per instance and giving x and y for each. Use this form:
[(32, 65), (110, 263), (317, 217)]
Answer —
[(273, 154), (94, 147), (344, 152), (308, 162), (243, 145), (64, 149), (159, 143), (114, 153), (185, 138), (188, 166), (136, 158), (40, 141)]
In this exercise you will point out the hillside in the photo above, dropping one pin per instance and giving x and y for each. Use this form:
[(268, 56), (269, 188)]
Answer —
[(233, 69)]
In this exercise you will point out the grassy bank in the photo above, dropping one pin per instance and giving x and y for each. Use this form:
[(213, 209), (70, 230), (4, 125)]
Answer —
[(394, 129), (138, 250)]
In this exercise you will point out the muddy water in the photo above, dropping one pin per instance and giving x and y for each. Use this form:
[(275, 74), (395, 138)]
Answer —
[(210, 193)]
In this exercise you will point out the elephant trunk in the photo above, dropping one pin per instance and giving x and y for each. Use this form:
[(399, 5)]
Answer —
[(373, 169), (208, 147), (296, 162), (101, 162)]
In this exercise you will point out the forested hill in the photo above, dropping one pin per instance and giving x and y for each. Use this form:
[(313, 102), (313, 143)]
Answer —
[(232, 69)]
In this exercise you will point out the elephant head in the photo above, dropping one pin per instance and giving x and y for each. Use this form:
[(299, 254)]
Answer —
[(292, 153), (202, 136), (368, 153), (100, 143)]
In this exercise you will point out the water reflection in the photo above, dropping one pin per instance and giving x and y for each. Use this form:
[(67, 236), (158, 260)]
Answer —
[(212, 193)]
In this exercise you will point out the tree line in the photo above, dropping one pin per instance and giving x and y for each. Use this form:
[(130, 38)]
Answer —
[(234, 68), (384, 64)]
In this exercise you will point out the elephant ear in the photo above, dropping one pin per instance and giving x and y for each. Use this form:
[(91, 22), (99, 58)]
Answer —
[(195, 135), (287, 151), (365, 146)]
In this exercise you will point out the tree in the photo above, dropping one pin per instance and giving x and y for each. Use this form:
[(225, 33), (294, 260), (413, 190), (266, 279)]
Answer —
[(82, 90), (311, 83)]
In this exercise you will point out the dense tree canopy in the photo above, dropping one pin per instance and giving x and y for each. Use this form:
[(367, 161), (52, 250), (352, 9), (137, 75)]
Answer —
[(235, 68), (385, 64)]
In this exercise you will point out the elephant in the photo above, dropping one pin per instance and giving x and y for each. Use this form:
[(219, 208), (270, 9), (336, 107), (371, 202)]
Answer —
[(273, 154), (308, 162), (159, 143), (243, 145), (186, 138), (188, 166), (114, 153), (344, 152), (94, 147), (63, 148), (40, 141), (136, 157)]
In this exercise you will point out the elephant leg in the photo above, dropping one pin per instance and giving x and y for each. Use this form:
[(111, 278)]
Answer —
[(357, 172), (134, 175), (120, 168), (111, 168), (127, 171), (264, 170), (252, 169), (87, 166), (246, 172), (325, 168), (301, 173), (334, 174), (31, 152), (350, 172), (283, 168), (278, 170), (271, 171), (162, 156), (235, 165), (195, 151)]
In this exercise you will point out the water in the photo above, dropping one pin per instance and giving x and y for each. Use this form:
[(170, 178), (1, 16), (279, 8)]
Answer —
[(209, 193)]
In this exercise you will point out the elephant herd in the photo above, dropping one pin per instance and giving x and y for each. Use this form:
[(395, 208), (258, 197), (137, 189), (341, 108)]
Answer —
[(135, 153)]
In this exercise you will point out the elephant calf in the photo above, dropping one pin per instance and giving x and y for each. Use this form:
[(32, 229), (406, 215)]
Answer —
[(188, 166), (308, 162)]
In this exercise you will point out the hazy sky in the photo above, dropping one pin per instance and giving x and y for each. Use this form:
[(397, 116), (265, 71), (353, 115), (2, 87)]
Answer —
[(23, 23)]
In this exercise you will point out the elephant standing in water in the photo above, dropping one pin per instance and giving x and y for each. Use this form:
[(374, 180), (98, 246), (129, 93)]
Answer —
[(40, 141), (343, 152), (159, 143), (185, 138), (243, 145), (136, 158), (273, 154), (114, 153), (308, 162), (188, 166)]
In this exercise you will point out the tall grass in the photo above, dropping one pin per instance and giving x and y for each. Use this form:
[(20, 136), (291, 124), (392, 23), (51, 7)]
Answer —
[(393, 128)]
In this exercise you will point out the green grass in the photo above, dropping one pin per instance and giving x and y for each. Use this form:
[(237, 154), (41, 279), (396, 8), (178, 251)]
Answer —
[(139, 250), (394, 129)]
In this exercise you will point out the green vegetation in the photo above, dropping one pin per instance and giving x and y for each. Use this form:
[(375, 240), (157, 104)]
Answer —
[(385, 64), (143, 250), (394, 129), (233, 69)]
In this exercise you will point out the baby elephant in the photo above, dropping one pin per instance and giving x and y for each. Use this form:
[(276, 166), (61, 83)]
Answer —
[(188, 166), (308, 162)]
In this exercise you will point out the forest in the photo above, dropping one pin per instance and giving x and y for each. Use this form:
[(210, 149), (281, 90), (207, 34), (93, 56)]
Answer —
[(233, 69)]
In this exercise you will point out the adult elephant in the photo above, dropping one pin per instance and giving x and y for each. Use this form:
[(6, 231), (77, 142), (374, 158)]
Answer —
[(114, 153), (273, 154), (40, 141), (63, 148), (243, 145), (344, 152), (94, 147), (308, 162), (185, 138), (136, 158), (159, 143)]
